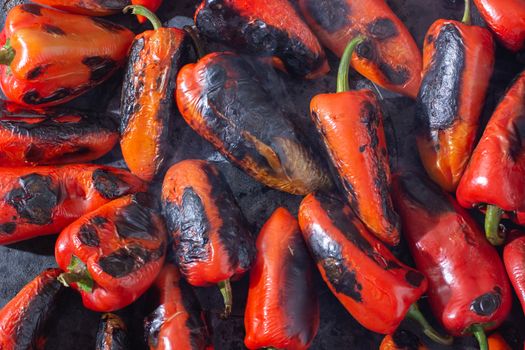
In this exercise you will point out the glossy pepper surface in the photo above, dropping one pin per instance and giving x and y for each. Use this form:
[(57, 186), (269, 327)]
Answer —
[(458, 60), (239, 105), (50, 57), (389, 56), (177, 322), (269, 28), (21, 318), (282, 309), (112, 333), (53, 136), (113, 254), (514, 258), (36, 201), (211, 241), (401, 340), (351, 126)]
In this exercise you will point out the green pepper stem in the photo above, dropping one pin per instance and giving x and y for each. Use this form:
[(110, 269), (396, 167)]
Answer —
[(142, 11), (7, 54), (466, 15), (415, 314), (78, 273), (492, 219), (226, 291), (478, 331), (196, 40), (344, 65)]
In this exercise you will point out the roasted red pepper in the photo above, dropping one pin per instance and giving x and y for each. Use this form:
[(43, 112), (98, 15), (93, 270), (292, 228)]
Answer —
[(113, 254), (402, 340), (458, 60), (177, 322), (506, 19), (282, 311), (36, 201), (468, 288), (389, 56), (351, 125), (210, 237), (239, 105), (514, 258), (147, 96), (53, 136), (112, 333), (497, 342), (377, 289), (270, 28), (50, 57), (23, 316), (494, 175)]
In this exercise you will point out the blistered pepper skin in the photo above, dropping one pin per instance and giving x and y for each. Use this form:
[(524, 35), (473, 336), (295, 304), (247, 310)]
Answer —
[(282, 310), (36, 201), (53, 136), (351, 125), (467, 280), (374, 287), (57, 56), (178, 322), (389, 57), (458, 61), (254, 27), (112, 333), (98, 7), (211, 240), (514, 258), (21, 318), (230, 101), (122, 245)]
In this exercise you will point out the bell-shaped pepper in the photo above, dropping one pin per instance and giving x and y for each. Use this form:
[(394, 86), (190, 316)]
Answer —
[(112, 333), (401, 340), (458, 60), (514, 258), (113, 254), (282, 310), (49, 57), (351, 125)]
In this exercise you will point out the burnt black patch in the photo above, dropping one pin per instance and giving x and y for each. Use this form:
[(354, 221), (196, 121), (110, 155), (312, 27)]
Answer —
[(438, 100), (382, 29), (429, 39), (32, 9), (406, 340), (486, 304), (129, 259), (34, 153), (135, 221), (395, 75), (424, 193), (112, 334), (362, 148), (36, 72), (32, 97), (8, 228), (414, 278), (109, 185), (100, 67), (153, 324), (99, 221), (331, 15), (88, 235), (107, 25), (51, 29)]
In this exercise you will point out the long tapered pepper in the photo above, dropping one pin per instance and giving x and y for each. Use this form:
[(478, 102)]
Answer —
[(458, 60), (36, 201), (514, 258), (112, 333), (48, 57), (468, 289), (389, 56), (270, 28), (23, 316), (177, 322), (351, 125), (494, 175), (210, 237), (401, 340), (282, 309), (113, 254), (238, 105)]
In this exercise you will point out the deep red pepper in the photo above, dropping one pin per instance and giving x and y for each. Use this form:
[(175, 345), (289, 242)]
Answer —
[(112, 333), (514, 258)]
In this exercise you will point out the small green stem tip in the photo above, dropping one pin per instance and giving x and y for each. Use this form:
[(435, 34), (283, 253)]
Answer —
[(415, 314), (142, 11), (344, 65), (226, 291), (492, 228), (7, 54), (466, 15), (77, 273), (478, 332)]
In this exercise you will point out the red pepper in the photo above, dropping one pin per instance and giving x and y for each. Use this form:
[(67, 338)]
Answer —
[(113, 254), (282, 310), (21, 318), (458, 60), (50, 57), (494, 175), (401, 340), (514, 258), (112, 333), (468, 289), (36, 201), (351, 125)]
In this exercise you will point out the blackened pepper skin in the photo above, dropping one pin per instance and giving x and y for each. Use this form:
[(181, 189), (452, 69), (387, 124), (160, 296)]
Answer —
[(112, 333)]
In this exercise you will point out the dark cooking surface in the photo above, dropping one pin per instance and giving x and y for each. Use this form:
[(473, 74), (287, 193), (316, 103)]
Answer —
[(73, 327)]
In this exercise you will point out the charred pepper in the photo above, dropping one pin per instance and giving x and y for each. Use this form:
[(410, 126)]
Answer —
[(402, 340), (514, 258), (112, 333)]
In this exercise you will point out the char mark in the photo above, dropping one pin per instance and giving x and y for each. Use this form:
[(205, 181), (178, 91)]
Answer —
[(395, 75), (51, 29), (109, 185), (331, 15), (32, 9), (129, 259), (107, 25), (100, 67), (36, 72), (88, 235), (414, 278), (382, 29), (135, 221), (8, 228), (32, 97)]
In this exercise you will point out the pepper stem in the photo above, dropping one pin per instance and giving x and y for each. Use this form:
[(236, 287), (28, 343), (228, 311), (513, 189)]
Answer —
[(196, 40), (344, 65), (492, 219), (478, 331), (77, 273), (466, 14), (7, 54), (415, 314), (142, 11), (226, 291)]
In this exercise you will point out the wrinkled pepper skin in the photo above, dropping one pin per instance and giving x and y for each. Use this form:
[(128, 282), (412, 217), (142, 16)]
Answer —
[(389, 57), (282, 310), (112, 333), (230, 102), (211, 240), (514, 258), (351, 125), (147, 102), (36, 201), (58, 56), (268, 28), (178, 322), (53, 136), (467, 280), (458, 60), (375, 287), (402, 340), (506, 19), (121, 247), (21, 318), (98, 7)]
